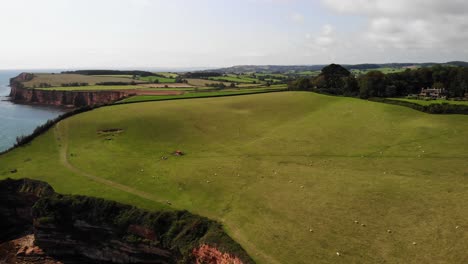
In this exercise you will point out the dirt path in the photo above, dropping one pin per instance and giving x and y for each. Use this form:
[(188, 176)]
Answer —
[(61, 133)]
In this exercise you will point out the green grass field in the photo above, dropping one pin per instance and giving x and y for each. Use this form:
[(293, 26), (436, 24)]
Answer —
[(203, 82), (227, 92), (384, 70), (429, 102), (115, 76), (287, 174), (310, 73), (236, 79), (152, 79), (95, 88), (168, 74), (58, 80)]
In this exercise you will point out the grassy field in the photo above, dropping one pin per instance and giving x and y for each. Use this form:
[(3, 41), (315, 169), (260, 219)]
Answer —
[(152, 79), (59, 79), (429, 102), (287, 174), (236, 79), (168, 74), (202, 82), (145, 98), (310, 73), (385, 70), (96, 88), (115, 76), (148, 87)]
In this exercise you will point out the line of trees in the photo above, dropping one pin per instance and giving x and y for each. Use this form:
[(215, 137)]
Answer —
[(111, 72), (74, 84), (202, 74), (337, 80)]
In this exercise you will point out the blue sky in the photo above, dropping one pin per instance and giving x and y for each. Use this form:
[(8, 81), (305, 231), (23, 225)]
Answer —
[(209, 33)]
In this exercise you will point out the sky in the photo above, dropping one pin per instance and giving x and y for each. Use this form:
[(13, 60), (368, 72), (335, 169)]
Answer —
[(72, 34)]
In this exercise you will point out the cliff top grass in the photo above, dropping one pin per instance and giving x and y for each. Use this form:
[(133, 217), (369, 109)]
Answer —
[(58, 80), (294, 177), (188, 95), (115, 88)]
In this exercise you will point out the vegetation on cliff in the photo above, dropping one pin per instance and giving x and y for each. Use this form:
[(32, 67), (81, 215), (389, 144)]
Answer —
[(56, 216)]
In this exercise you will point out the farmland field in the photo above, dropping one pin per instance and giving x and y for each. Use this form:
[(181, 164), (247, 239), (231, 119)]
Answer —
[(429, 102), (168, 74), (157, 78), (95, 88), (115, 76), (384, 70), (144, 98), (59, 79), (294, 177), (235, 78), (203, 82)]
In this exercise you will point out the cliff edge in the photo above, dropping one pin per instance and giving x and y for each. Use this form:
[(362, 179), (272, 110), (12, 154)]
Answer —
[(37, 223), (21, 94)]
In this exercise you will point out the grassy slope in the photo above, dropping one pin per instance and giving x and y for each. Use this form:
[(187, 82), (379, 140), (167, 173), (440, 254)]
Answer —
[(226, 92), (424, 102), (387, 166)]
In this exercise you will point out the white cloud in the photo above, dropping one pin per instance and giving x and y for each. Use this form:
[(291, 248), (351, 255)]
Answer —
[(326, 37), (415, 24)]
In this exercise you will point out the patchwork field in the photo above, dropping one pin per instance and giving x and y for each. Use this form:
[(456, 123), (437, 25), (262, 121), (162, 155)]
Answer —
[(157, 79), (384, 70), (235, 78), (295, 177)]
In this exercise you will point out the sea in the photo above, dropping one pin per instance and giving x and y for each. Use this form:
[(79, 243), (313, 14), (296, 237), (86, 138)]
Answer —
[(18, 119)]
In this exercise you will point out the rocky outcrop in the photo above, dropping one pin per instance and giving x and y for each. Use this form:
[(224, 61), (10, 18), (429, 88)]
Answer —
[(17, 198), (207, 254), (63, 98), (79, 229), (23, 250)]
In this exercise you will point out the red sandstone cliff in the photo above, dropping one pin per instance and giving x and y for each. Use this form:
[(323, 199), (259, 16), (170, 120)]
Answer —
[(209, 255), (21, 94)]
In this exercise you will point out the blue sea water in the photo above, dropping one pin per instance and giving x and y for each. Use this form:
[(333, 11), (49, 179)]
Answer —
[(17, 119)]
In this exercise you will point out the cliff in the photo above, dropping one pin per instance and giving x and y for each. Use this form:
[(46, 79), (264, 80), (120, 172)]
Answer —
[(79, 229), (21, 94), (63, 98), (17, 198)]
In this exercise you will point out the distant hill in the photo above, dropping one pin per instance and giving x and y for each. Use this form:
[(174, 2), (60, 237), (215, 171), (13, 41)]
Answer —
[(304, 68)]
